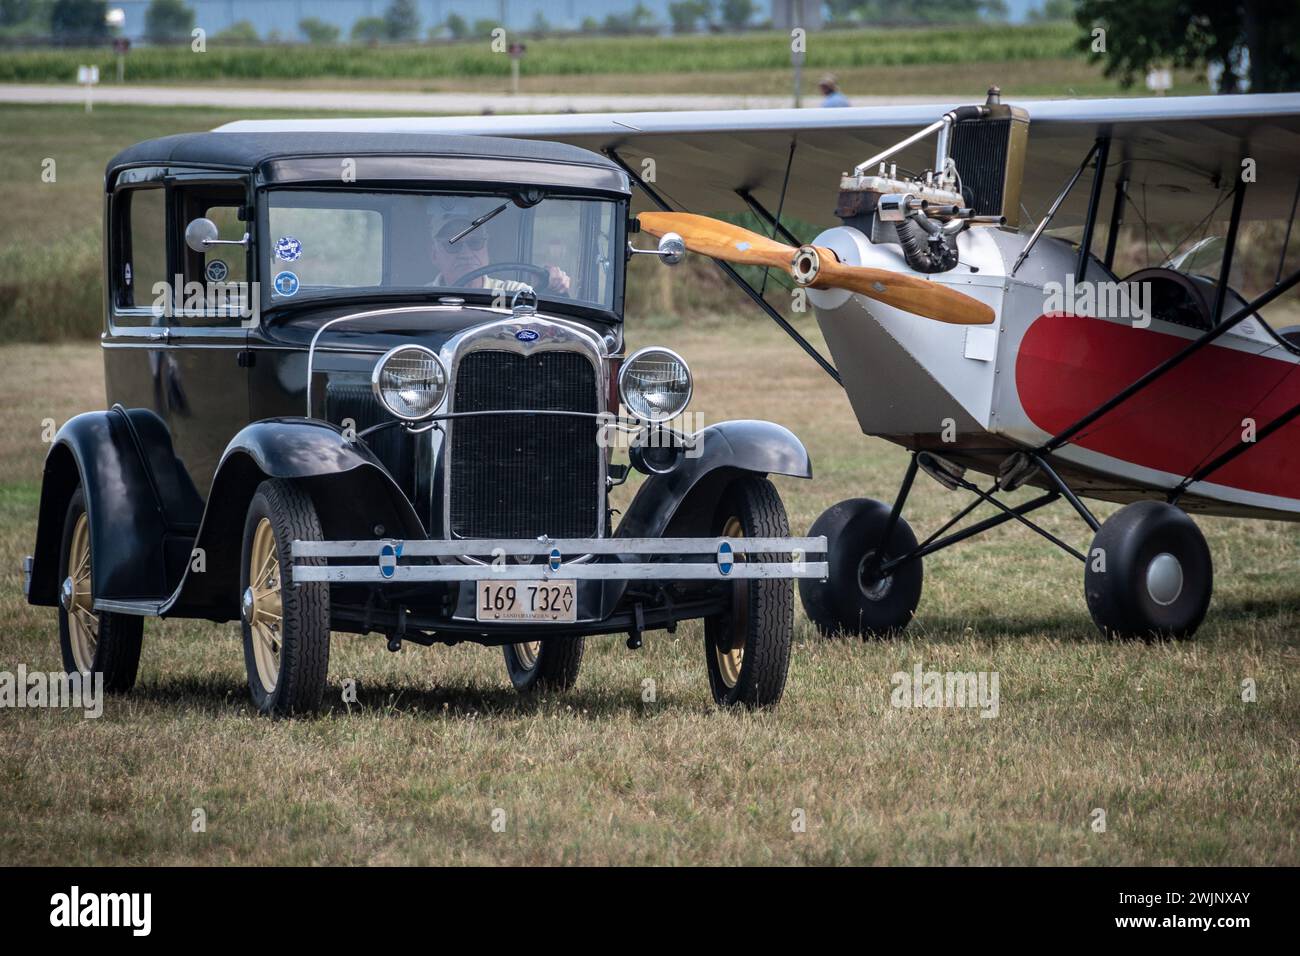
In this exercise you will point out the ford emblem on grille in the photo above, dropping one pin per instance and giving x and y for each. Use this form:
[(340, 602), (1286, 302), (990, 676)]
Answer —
[(526, 335)]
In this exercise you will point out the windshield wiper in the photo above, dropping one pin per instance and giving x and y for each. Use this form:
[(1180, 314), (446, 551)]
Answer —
[(476, 223)]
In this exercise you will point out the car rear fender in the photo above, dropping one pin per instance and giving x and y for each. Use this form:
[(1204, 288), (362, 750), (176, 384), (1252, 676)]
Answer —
[(137, 498)]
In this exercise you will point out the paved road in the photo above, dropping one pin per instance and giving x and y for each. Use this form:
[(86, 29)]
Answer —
[(400, 102)]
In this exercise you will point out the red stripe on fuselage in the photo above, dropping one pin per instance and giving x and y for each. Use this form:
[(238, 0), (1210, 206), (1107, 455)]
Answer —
[(1068, 365)]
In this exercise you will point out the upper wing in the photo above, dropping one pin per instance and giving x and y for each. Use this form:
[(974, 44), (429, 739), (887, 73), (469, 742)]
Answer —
[(1180, 152)]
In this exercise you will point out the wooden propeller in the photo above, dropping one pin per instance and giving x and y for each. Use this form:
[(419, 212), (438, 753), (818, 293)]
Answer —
[(817, 266)]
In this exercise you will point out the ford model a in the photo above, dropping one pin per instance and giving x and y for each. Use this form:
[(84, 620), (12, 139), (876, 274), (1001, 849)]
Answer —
[(373, 384)]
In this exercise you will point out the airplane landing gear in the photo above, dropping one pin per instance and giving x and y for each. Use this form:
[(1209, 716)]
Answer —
[(1148, 573), (856, 597)]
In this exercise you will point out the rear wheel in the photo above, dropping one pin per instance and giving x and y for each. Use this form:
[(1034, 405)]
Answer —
[(92, 641), (1149, 573), (286, 628), (855, 598), (747, 647), (551, 664)]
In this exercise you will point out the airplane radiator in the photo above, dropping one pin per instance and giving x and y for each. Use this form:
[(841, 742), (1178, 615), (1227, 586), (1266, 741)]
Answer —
[(990, 157)]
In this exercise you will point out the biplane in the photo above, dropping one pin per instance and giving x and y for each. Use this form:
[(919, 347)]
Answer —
[(984, 309)]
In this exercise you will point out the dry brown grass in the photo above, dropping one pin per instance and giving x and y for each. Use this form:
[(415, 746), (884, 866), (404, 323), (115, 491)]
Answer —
[(1156, 735)]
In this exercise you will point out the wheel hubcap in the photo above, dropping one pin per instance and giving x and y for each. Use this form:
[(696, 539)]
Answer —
[(874, 589), (262, 606), (1164, 579), (75, 596), (731, 659), (526, 652)]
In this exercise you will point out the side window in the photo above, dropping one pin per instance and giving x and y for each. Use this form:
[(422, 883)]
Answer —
[(220, 272), (143, 256)]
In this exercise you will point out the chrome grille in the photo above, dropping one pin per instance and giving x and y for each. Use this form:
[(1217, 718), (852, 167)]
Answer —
[(520, 475)]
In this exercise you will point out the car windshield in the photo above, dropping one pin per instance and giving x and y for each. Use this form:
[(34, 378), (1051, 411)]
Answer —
[(345, 242)]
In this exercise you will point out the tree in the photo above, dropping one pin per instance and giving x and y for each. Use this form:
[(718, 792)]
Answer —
[(239, 32), (736, 14), (402, 20), (687, 15), (14, 12), (168, 20), (457, 27), (638, 20), (1254, 39), (317, 31), (72, 20), (369, 30), (1052, 11), (894, 12)]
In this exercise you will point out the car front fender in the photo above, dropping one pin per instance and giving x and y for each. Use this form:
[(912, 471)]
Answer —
[(354, 495), (681, 503)]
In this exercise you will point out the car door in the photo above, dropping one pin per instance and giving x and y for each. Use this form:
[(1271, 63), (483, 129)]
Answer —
[(205, 394)]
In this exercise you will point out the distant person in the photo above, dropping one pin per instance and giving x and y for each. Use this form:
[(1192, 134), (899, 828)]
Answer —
[(831, 95)]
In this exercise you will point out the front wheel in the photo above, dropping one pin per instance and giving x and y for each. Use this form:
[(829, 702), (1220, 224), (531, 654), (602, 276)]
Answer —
[(855, 598), (747, 646), (286, 627), (92, 641), (550, 664)]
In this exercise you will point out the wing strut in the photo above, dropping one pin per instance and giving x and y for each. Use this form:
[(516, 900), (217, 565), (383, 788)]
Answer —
[(735, 276)]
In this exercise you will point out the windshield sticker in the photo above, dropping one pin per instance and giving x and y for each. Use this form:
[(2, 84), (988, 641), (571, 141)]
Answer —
[(286, 283), (288, 248), (217, 271)]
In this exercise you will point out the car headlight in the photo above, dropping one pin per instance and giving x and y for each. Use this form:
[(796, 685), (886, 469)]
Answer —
[(655, 384), (410, 381)]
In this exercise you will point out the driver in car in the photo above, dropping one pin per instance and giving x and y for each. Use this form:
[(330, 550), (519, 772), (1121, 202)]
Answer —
[(453, 260)]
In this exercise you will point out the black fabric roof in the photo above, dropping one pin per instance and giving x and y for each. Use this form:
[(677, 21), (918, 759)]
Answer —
[(250, 150)]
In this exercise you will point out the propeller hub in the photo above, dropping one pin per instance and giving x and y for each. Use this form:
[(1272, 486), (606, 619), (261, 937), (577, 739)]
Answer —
[(805, 265)]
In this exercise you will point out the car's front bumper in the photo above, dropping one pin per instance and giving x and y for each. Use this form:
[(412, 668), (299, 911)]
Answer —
[(654, 559)]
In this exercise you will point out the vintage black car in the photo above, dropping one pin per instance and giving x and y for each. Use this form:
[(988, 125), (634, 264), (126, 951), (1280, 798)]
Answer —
[(372, 383)]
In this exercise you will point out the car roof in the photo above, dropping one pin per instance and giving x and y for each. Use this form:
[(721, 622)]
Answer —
[(235, 150)]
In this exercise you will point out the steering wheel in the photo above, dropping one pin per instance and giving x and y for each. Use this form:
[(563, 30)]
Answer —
[(542, 276)]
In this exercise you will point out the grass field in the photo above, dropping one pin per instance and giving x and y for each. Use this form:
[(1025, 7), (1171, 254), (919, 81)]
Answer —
[(1157, 736), (560, 56)]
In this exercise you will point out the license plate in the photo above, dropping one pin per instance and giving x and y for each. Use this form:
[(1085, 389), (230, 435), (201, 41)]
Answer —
[(527, 601)]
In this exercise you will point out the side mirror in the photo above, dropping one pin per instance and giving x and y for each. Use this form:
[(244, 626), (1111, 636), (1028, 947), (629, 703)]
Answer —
[(202, 233), (670, 251)]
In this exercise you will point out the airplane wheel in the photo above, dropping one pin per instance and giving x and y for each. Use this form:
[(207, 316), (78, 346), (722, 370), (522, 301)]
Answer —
[(846, 603), (1149, 573)]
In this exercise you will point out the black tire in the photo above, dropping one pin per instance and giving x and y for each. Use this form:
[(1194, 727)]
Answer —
[(548, 665), (116, 653), (301, 662), (844, 603), (1158, 575), (760, 620)]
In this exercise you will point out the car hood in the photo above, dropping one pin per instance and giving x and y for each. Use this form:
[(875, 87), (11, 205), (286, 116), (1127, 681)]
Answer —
[(376, 330)]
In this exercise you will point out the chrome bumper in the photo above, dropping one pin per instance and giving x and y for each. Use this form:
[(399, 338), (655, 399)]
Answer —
[(687, 559)]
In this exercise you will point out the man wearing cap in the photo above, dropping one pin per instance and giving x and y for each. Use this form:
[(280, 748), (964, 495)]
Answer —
[(830, 88), (451, 260)]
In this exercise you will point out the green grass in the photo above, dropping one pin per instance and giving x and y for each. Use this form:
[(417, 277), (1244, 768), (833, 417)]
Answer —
[(1157, 735), (561, 56)]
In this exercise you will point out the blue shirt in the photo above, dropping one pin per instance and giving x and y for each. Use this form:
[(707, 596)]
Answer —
[(835, 98)]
